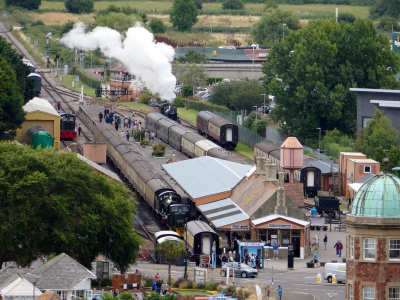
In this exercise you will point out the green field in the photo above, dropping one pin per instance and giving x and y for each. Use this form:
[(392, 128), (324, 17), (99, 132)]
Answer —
[(245, 150), (192, 292), (137, 105), (188, 115), (160, 6), (67, 81)]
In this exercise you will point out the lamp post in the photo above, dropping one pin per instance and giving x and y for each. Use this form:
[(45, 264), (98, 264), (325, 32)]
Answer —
[(252, 72), (319, 128), (264, 102), (211, 35), (186, 262), (256, 113), (284, 31), (47, 48)]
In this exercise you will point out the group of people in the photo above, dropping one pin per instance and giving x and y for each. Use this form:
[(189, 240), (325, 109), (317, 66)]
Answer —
[(339, 247), (252, 260), (160, 287)]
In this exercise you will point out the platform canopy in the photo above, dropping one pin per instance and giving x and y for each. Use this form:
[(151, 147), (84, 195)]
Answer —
[(207, 179)]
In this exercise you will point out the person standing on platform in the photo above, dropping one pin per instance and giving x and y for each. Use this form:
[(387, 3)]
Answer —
[(79, 129), (280, 292), (325, 240)]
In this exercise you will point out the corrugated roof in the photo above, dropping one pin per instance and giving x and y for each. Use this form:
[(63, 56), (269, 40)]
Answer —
[(353, 153), (365, 178), (39, 104), (326, 167), (99, 168), (274, 217), (375, 90), (205, 176), (223, 212)]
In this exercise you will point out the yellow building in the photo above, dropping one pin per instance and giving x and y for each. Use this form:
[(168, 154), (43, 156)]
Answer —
[(40, 112)]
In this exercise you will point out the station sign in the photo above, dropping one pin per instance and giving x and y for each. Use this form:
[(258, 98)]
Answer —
[(252, 244), (262, 55), (279, 226), (240, 227)]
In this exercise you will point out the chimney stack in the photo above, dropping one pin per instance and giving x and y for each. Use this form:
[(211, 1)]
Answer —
[(281, 208), (270, 173), (260, 164), (281, 176)]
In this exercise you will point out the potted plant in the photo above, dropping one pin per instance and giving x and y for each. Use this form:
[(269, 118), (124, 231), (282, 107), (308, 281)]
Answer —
[(312, 227), (310, 264), (158, 150), (318, 228), (325, 228)]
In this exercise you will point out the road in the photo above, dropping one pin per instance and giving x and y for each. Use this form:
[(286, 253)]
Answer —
[(300, 281)]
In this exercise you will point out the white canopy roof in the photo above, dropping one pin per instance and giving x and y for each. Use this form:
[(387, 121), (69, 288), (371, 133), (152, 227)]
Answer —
[(39, 104), (274, 217)]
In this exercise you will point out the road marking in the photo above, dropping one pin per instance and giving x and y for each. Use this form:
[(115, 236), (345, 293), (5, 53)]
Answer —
[(331, 294)]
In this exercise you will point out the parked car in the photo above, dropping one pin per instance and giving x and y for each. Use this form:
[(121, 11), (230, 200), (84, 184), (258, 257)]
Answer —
[(339, 269), (241, 270)]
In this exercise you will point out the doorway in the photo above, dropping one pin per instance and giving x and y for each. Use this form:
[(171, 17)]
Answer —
[(206, 245), (296, 242)]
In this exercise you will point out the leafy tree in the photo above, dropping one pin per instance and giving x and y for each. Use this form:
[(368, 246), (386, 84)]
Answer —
[(193, 57), (261, 126), (271, 4), (311, 72), (117, 21), (233, 4), (190, 74), (79, 6), (187, 90), (25, 85), (171, 250), (385, 24), (346, 17), (248, 122), (126, 10), (12, 114), (157, 26), (144, 17), (238, 95), (269, 29), (379, 132), (183, 14), (199, 4), (52, 203), (27, 4), (389, 8), (335, 142), (394, 157), (67, 27)]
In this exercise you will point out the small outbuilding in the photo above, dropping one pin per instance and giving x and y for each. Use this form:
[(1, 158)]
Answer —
[(40, 112)]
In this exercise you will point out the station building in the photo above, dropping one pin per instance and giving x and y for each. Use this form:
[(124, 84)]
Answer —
[(121, 80), (373, 240), (40, 112)]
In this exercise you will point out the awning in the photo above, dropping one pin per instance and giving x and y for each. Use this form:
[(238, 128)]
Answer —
[(223, 212), (355, 186)]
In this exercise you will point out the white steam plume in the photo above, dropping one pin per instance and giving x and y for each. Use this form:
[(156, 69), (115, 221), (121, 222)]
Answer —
[(144, 58)]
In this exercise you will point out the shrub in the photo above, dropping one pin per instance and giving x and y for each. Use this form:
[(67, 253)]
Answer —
[(210, 286), (153, 296), (183, 285), (191, 284), (170, 296), (27, 4), (178, 102), (85, 78), (79, 6), (318, 227), (211, 80), (325, 228), (125, 296), (312, 227), (346, 17), (233, 4), (139, 135), (106, 282), (178, 282), (158, 150), (147, 280), (157, 26), (199, 4), (145, 143), (144, 98), (37, 23), (187, 90)]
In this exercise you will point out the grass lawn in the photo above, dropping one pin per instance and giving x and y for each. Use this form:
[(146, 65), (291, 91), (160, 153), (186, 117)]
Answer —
[(188, 115), (192, 292), (67, 81), (245, 150), (137, 105)]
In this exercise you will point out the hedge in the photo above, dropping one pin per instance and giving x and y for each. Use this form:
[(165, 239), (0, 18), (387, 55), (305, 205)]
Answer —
[(211, 80), (86, 79), (203, 105)]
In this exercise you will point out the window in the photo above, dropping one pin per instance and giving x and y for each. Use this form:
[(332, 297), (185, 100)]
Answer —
[(351, 254), (330, 180), (62, 294), (262, 234), (365, 121), (368, 293), (394, 249), (394, 293), (369, 248), (350, 292), (367, 169)]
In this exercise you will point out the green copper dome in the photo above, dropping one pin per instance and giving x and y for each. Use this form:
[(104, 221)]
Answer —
[(378, 197)]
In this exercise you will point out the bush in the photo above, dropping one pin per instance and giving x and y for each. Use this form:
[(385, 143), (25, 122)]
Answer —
[(204, 105), (153, 296), (125, 296), (210, 286), (178, 102), (211, 80), (157, 26), (199, 4), (187, 90), (145, 143), (233, 4), (147, 281), (271, 4), (106, 282), (325, 228), (27, 4), (170, 296), (178, 282), (79, 6), (144, 98), (346, 17), (318, 228), (85, 78), (139, 135), (37, 23), (312, 227), (158, 150)]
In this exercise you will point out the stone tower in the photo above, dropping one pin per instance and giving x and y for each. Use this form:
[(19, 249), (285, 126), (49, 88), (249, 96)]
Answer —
[(373, 240)]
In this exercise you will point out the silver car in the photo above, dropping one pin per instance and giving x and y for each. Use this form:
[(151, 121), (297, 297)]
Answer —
[(240, 269)]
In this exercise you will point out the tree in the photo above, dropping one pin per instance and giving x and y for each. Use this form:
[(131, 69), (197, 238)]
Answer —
[(381, 8), (233, 4), (187, 90), (27, 4), (26, 85), (117, 21), (261, 126), (238, 95), (183, 14), (346, 17), (199, 4), (12, 114), (271, 4), (193, 57), (53, 203), (311, 72), (378, 133), (190, 74), (171, 250), (269, 29), (157, 26), (385, 24), (67, 27), (144, 17), (79, 6)]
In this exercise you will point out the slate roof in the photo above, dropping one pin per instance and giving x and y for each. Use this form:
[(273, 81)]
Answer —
[(17, 286), (324, 166), (6, 272), (61, 273)]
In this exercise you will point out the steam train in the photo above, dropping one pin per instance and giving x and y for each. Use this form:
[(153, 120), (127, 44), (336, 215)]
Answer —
[(164, 201), (169, 111)]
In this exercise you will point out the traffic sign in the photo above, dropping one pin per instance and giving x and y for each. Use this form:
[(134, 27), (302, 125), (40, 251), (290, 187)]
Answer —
[(77, 78)]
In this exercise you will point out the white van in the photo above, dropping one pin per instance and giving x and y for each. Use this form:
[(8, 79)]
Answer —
[(339, 269)]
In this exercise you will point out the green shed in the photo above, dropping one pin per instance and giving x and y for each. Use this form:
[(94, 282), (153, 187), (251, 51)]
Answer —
[(39, 136)]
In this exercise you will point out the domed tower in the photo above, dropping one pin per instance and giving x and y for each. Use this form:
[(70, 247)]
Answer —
[(373, 240)]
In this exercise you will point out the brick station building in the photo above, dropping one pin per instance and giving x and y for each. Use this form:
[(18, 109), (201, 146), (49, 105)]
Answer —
[(373, 240)]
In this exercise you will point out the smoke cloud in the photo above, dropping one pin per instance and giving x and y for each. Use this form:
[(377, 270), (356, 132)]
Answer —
[(146, 59)]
